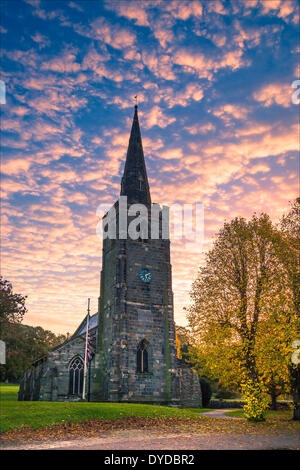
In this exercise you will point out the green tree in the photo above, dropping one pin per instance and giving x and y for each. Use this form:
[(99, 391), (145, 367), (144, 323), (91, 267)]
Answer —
[(12, 311), (23, 343), (230, 298), (12, 306), (288, 251), (273, 354)]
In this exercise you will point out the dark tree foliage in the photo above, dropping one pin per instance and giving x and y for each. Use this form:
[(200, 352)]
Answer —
[(12, 306), (206, 392), (25, 344)]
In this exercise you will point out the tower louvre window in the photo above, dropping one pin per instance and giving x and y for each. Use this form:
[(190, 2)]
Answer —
[(142, 357)]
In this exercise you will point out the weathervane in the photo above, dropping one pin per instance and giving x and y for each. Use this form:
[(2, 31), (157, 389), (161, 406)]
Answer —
[(136, 101)]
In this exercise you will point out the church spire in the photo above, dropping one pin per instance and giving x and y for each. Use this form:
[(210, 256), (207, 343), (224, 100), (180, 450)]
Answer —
[(134, 183)]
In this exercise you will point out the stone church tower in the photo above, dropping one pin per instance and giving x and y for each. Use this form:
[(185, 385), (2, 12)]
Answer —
[(136, 339), (134, 356)]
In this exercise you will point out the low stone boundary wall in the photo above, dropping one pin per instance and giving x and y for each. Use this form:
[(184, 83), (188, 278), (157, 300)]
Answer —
[(219, 404)]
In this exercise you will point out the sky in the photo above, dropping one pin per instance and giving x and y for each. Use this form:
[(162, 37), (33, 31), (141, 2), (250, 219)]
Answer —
[(214, 85)]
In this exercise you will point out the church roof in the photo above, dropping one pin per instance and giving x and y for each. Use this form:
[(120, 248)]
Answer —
[(93, 323), (135, 182), (81, 330)]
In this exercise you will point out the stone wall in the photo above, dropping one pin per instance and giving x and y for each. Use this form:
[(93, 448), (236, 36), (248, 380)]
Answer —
[(132, 311), (189, 387), (48, 379), (30, 385), (219, 404)]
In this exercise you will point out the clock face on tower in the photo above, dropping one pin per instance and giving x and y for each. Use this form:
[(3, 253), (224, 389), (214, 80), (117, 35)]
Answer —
[(145, 275)]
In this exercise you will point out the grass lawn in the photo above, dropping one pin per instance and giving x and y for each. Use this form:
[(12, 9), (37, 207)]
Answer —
[(15, 414), (270, 414), (8, 392)]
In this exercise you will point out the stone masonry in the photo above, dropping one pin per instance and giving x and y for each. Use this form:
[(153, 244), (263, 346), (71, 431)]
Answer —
[(131, 313)]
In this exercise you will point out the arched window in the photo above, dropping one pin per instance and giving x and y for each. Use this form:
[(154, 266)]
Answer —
[(76, 376), (142, 357)]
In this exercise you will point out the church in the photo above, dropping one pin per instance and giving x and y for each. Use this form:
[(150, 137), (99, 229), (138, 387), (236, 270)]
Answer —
[(132, 336)]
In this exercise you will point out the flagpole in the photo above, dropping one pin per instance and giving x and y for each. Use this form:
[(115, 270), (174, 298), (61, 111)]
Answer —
[(85, 351)]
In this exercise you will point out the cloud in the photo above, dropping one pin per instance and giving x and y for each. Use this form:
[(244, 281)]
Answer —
[(156, 117), (230, 111), (161, 27), (39, 82), (131, 10), (275, 93), (192, 91), (64, 64), (200, 128), (160, 65), (252, 128), (95, 61), (114, 35), (283, 8), (16, 166), (194, 62), (13, 125), (54, 101), (259, 168), (34, 3), (277, 141), (183, 10), (205, 66), (164, 35), (219, 39), (268, 7), (28, 58), (19, 110), (171, 154), (250, 36), (76, 6), (216, 6), (233, 60), (41, 40)]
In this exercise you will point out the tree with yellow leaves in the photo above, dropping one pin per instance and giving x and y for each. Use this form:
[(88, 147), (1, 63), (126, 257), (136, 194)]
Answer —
[(235, 298), (288, 252)]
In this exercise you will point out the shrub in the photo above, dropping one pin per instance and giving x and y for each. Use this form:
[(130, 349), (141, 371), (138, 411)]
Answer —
[(225, 394), (257, 401)]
